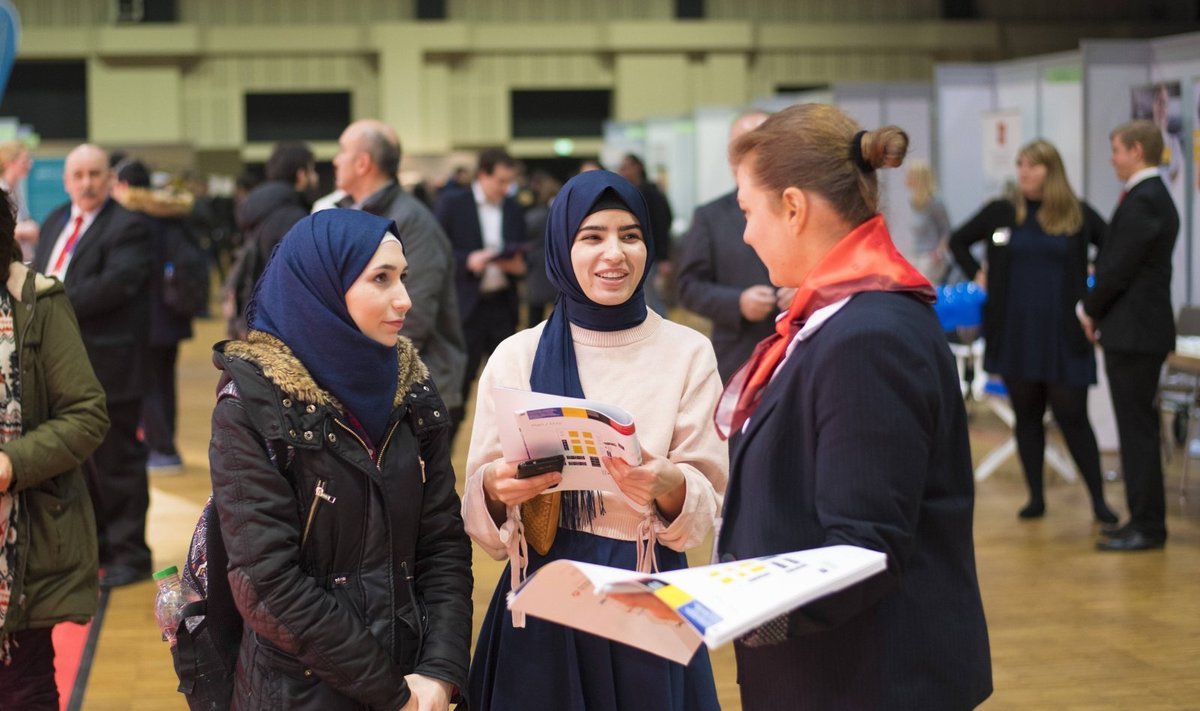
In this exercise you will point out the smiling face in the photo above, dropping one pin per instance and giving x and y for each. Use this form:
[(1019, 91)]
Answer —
[(377, 300), (609, 256)]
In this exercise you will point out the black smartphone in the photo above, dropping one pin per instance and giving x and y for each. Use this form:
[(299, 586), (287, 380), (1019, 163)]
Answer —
[(543, 465)]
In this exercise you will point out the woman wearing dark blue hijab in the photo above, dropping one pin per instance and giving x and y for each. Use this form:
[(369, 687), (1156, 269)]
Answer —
[(602, 343), (332, 483)]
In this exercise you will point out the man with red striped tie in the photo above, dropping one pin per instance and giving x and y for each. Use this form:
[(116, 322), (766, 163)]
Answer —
[(103, 255)]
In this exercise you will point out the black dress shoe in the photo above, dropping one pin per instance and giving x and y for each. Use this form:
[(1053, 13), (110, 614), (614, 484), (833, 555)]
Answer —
[(116, 576), (1131, 541), (1114, 529)]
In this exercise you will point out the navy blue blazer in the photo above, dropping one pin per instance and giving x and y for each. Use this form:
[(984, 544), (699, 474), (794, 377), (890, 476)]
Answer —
[(459, 216), (1132, 299), (108, 285), (861, 439)]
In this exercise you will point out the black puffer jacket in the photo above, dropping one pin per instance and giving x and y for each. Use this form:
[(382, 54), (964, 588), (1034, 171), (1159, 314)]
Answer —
[(323, 562)]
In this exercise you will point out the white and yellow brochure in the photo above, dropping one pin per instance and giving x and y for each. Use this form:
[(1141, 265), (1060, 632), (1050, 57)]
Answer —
[(670, 614), (535, 425)]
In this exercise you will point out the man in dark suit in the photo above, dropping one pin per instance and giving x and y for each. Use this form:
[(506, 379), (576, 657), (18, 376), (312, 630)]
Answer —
[(103, 254), (486, 228), (721, 277), (634, 170), (366, 166), (1130, 312)]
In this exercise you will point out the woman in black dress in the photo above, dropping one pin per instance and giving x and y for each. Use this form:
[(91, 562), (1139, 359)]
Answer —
[(1037, 268)]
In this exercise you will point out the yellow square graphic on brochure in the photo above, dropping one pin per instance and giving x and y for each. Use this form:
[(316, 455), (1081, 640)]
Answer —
[(673, 596)]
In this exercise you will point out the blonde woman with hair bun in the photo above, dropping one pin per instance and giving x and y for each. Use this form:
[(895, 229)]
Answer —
[(850, 430), (1037, 269)]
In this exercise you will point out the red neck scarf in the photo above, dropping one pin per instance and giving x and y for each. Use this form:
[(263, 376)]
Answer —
[(863, 260)]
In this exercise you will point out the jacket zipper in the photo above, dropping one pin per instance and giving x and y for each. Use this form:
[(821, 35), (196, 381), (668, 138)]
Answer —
[(378, 461), (319, 495)]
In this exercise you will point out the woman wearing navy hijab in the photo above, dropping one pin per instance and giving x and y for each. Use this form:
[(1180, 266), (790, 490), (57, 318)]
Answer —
[(332, 482), (602, 343)]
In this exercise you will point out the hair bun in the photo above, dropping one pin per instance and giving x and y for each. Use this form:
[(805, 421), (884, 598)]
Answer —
[(882, 148)]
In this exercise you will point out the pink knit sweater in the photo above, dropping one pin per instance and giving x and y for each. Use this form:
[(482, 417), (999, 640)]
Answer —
[(662, 373)]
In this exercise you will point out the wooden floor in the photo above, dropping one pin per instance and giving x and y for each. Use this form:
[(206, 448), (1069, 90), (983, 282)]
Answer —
[(1071, 628)]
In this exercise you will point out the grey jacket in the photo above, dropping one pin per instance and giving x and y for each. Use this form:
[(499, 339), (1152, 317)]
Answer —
[(432, 324)]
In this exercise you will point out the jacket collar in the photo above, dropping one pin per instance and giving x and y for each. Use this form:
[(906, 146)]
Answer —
[(285, 370)]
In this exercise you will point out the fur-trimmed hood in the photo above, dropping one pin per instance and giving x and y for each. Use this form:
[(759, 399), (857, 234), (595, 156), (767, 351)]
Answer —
[(283, 368), (157, 203)]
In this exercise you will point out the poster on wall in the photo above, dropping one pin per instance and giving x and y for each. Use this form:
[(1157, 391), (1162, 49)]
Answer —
[(1001, 141), (1162, 103)]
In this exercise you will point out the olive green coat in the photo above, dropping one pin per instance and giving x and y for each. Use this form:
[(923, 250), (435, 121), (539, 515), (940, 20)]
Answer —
[(63, 419)]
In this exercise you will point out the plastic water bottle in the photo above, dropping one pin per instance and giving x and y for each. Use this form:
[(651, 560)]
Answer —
[(168, 605)]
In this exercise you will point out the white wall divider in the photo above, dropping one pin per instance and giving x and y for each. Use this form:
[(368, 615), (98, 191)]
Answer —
[(909, 106), (963, 92)]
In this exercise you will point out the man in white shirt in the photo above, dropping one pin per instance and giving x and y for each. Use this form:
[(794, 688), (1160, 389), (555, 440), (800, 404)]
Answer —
[(103, 254), (1129, 312), (486, 228)]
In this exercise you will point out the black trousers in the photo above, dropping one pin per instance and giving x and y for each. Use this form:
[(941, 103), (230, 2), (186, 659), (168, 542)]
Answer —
[(158, 406), (493, 320), (1133, 382), (116, 478), (28, 682)]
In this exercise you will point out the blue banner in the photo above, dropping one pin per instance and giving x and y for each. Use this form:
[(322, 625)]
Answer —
[(44, 187), (10, 37)]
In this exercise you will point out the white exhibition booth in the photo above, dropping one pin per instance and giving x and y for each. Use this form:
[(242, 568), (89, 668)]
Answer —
[(968, 124)]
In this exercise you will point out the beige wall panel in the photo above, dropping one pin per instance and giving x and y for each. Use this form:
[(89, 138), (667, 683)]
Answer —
[(650, 85), (434, 132), (214, 89), (720, 79), (298, 12), (773, 69), (134, 104), (288, 39), (822, 10), (479, 111), (59, 13)]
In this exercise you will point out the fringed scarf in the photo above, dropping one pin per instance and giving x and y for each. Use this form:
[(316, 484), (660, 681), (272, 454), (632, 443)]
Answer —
[(554, 368), (863, 260), (10, 429)]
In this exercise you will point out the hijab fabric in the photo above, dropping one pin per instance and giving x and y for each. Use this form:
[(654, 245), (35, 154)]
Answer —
[(301, 299), (555, 370)]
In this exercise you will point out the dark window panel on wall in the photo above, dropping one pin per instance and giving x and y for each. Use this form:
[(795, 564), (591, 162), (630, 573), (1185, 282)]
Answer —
[(50, 96), (314, 116), (689, 9), (799, 88), (551, 113), (959, 10), (137, 11), (431, 9)]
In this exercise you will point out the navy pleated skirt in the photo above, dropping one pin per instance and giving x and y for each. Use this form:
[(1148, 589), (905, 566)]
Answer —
[(548, 666)]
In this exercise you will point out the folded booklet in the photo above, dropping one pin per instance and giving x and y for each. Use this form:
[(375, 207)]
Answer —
[(670, 614), (536, 425)]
